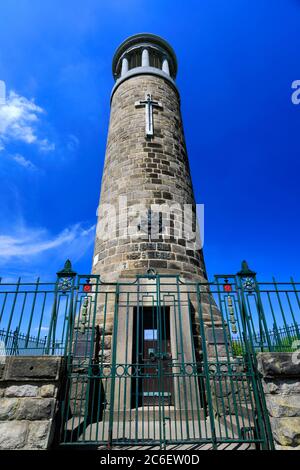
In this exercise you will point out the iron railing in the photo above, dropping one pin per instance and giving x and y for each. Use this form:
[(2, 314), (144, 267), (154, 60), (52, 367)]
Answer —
[(33, 311), (281, 339), (34, 317), (188, 375), (13, 343)]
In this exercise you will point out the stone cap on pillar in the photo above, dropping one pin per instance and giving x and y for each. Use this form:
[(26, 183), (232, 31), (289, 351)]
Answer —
[(144, 53)]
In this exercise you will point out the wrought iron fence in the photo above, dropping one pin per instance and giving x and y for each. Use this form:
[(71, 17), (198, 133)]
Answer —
[(34, 316), (155, 387), (13, 343), (271, 312), (282, 339), (38, 310)]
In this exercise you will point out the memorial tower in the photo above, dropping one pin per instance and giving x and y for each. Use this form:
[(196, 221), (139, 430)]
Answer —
[(147, 211)]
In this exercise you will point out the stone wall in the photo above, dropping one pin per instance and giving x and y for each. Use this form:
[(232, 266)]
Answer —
[(149, 171), (281, 381), (29, 388)]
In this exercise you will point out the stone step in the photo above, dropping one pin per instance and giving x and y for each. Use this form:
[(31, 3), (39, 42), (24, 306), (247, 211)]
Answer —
[(142, 432)]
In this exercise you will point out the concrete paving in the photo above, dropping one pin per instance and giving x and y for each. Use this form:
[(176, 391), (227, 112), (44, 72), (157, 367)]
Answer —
[(141, 430)]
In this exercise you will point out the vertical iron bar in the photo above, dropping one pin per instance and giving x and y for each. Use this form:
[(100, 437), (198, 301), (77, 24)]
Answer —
[(113, 369)]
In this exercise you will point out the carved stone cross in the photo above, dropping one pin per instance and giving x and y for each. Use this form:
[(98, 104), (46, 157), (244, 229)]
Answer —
[(149, 104)]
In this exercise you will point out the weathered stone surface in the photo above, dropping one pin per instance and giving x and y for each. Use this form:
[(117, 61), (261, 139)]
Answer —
[(286, 431), (39, 434), (281, 383), (33, 368), (22, 391), (281, 406), (106, 342), (286, 387), (216, 336), (278, 365), (13, 435), (219, 351), (35, 409), (151, 172), (28, 405), (78, 389), (8, 408), (47, 391)]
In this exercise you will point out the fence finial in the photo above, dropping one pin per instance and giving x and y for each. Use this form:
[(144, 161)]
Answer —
[(246, 271), (67, 271)]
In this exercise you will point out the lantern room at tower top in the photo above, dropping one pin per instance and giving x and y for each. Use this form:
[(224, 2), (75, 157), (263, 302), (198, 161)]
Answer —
[(144, 53)]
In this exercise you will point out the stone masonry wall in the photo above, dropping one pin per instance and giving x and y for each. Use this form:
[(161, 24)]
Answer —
[(148, 171), (145, 172), (281, 381), (29, 388)]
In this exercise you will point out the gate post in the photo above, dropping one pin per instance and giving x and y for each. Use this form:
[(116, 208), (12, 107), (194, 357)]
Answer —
[(247, 284)]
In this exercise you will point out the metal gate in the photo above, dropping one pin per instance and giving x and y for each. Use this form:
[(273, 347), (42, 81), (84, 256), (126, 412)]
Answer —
[(161, 362)]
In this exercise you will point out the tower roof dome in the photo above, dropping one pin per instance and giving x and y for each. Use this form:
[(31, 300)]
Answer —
[(144, 50)]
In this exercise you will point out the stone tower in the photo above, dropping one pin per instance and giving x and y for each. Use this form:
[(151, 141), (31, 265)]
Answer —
[(148, 240), (146, 216)]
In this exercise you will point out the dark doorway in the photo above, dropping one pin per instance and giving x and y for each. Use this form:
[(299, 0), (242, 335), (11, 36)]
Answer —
[(151, 353)]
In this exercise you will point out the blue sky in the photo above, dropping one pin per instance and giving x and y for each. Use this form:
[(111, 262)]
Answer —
[(237, 61)]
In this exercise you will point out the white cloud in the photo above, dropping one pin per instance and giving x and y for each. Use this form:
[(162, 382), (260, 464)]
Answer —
[(2, 92), (44, 329), (22, 161), (27, 243), (19, 119), (46, 146)]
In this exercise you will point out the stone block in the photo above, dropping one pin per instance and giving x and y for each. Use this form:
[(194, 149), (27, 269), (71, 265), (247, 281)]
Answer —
[(13, 435), (22, 391), (216, 336), (35, 409), (8, 408), (286, 387), (78, 389), (286, 431), (219, 351), (272, 365), (38, 435), (32, 368), (283, 406), (48, 391)]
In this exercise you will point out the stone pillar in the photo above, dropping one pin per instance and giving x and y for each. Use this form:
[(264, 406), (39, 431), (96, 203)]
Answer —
[(29, 401), (165, 66), (125, 66), (145, 58), (281, 382)]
